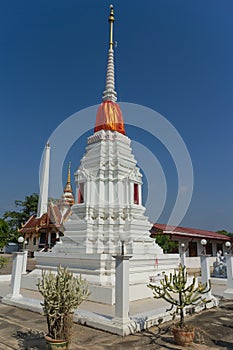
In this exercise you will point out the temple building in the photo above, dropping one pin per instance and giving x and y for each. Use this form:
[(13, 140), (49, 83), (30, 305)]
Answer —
[(43, 230), (192, 237)]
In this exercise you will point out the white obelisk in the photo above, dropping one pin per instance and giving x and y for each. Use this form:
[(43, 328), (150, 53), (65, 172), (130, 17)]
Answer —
[(44, 183)]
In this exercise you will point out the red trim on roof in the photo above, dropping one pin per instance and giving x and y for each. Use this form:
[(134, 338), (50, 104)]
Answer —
[(188, 232)]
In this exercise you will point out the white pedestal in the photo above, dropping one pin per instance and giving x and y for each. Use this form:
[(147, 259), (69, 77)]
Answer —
[(122, 288), (205, 273), (183, 258), (228, 293), (17, 268), (25, 258), (121, 319)]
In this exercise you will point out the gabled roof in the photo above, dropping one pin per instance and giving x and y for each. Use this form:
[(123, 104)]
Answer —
[(54, 217), (34, 223), (187, 232)]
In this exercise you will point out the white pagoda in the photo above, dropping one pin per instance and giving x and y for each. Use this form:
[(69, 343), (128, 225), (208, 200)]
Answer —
[(108, 216)]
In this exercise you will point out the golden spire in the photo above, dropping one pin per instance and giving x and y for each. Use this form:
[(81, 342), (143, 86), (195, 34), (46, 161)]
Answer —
[(68, 178), (68, 197), (111, 20)]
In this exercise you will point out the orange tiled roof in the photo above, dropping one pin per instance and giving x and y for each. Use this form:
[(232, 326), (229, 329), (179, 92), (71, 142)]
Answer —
[(188, 232)]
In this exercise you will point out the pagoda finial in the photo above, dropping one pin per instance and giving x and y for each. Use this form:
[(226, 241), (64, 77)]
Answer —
[(68, 177), (68, 197), (109, 116), (111, 21), (109, 93)]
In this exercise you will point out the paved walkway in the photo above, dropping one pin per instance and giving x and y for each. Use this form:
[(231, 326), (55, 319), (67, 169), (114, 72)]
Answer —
[(23, 329)]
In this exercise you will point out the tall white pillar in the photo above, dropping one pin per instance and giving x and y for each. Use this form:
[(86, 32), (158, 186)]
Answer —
[(205, 272), (44, 183), (122, 290), (17, 269), (228, 293)]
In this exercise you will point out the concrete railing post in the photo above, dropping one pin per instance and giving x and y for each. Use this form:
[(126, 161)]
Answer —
[(25, 258), (228, 293), (122, 289), (182, 254), (17, 268), (183, 258), (205, 272)]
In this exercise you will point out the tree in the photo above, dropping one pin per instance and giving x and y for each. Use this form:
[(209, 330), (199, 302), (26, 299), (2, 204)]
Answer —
[(4, 233), (226, 233), (15, 219), (165, 242)]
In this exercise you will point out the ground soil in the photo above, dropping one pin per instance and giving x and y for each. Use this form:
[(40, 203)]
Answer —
[(22, 329)]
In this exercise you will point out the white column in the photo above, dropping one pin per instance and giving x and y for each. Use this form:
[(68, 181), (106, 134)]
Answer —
[(16, 274), (88, 192), (130, 200), (205, 272), (25, 258), (183, 257), (44, 183), (228, 293), (49, 239), (122, 289), (140, 194)]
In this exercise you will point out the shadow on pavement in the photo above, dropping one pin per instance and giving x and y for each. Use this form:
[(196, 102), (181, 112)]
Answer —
[(32, 340), (226, 344)]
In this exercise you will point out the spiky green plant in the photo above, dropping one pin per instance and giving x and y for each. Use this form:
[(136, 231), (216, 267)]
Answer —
[(63, 293), (176, 291), (3, 261)]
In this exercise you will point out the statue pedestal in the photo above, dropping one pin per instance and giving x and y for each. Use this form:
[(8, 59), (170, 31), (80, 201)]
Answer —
[(228, 293)]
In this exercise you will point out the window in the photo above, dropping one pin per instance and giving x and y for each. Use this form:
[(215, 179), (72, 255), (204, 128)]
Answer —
[(42, 237), (175, 248), (209, 250), (81, 193), (53, 238), (135, 195), (219, 247), (192, 248)]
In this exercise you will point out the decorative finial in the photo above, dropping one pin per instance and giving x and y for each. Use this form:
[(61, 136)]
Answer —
[(109, 93), (111, 20), (109, 116), (68, 178), (68, 197)]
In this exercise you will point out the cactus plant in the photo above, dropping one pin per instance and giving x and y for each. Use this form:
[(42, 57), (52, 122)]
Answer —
[(63, 293), (176, 284)]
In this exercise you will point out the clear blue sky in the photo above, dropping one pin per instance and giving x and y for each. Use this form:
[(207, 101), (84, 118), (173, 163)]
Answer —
[(175, 57)]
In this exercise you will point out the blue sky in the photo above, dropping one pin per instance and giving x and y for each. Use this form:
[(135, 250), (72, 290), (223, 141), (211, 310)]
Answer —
[(174, 57)]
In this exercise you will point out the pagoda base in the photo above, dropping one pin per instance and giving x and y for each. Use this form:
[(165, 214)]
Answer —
[(99, 270)]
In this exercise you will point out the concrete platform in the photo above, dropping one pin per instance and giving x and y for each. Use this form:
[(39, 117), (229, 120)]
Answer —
[(143, 313), (23, 329)]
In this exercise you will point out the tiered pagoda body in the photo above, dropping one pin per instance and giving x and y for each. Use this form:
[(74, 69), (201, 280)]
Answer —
[(108, 216)]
